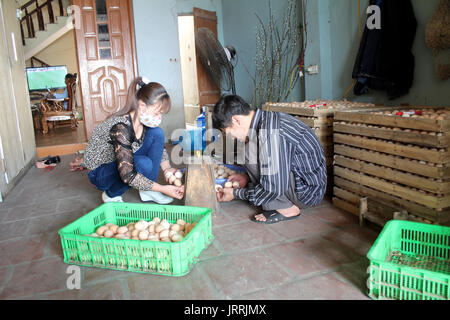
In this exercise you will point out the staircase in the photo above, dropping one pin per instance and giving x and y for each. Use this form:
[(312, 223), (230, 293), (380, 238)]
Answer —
[(43, 22)]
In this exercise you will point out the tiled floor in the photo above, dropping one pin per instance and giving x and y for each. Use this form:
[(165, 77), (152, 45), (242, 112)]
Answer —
[(322, 255)]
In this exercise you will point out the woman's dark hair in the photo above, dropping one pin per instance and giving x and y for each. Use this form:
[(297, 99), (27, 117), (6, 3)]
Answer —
[(150, 93), (226, 108)]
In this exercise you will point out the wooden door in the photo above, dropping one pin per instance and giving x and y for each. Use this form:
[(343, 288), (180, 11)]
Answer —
[(207, 90), (106, 57)]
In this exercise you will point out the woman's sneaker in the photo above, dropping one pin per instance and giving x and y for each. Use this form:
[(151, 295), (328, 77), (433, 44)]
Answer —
[(155, 196), (107, 199)]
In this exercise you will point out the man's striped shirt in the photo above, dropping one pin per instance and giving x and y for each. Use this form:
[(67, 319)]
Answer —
[(279, 144)]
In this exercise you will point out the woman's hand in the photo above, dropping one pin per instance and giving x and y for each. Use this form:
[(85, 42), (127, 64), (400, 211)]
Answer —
[(172, 170), (173, 191), (241, 178)]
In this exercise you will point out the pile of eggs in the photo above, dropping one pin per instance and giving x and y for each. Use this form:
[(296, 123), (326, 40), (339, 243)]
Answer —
[(440, 114), (175, 178), (222, 172), (154, 230)]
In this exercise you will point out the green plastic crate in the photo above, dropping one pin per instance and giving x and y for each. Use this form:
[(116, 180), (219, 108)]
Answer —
[(153, 257), (410, 261)]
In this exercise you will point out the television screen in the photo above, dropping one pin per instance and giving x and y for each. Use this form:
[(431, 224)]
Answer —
[(46, 78)]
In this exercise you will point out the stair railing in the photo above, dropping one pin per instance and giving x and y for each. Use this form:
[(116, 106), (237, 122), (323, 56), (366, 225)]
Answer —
[(42, 63), (34, 8)]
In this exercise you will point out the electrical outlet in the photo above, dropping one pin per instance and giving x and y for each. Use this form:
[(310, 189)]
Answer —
[(314, 69)]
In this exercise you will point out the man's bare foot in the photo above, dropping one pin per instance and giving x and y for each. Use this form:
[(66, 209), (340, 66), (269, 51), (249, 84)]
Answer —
[(289, 212)]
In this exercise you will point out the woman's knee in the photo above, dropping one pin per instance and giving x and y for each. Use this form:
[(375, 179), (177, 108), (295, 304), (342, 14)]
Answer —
[(143, 165), (157, 134)]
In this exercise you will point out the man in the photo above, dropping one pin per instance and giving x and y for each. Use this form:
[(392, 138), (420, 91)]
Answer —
[(69, 78), (285, 162)]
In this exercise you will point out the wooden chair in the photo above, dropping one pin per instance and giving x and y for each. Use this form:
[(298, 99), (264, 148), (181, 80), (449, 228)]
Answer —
[(53, 110)]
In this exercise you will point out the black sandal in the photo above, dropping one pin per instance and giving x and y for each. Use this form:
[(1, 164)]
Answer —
[(51, 160), (273, 217)]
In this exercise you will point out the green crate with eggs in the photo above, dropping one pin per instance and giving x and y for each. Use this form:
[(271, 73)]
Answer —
[(81, 247), (410, 261)]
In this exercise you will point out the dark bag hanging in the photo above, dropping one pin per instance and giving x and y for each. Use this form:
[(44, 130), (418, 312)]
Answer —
[(385, 60)]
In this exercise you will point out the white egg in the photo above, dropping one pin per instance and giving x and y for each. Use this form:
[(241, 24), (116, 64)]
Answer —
[(140, 225), (143, 235), (228, 184), (156, 220), (169, 174), (101, 230), (122, 230), (165, 224), (178, 175), (171, 233), (108, 234), (177, 238), (164, 234)]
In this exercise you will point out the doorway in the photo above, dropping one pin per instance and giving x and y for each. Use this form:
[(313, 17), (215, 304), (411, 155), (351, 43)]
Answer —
[(198, 89), (50, 56)]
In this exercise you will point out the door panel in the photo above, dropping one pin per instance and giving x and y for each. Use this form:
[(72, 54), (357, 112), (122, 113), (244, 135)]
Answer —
[(106, 57), (207, 89)]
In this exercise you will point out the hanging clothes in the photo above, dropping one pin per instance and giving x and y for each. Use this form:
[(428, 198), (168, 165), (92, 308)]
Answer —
[(385, 60)]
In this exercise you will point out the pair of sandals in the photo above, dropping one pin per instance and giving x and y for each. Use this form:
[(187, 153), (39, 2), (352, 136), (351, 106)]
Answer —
[(48, 163), (273, 216)]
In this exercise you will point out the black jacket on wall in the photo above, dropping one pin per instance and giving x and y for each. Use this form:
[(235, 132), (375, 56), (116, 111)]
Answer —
[(385, 60)]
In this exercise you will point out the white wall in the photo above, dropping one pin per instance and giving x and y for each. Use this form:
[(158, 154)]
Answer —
[(158, 49), (158, 53), (240, 28), (335, 25), (16, 124)]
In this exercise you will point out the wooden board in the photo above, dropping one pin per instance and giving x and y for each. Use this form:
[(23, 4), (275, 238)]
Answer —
[(411, 207), (323, 131), (346, 206), (348, 196), (317, 122), (394, 149), (200, 186), (400, 136), (394, 121), (304, 109), (408, 179), (426, 200), (392, 161)]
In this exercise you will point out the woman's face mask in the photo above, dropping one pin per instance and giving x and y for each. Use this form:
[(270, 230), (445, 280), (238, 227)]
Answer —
[(149, 118)]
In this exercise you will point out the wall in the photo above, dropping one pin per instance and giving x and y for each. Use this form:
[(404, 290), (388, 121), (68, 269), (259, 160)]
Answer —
[(16, 129), (158, 49), (339, 20), (240, 28), (186, 7)]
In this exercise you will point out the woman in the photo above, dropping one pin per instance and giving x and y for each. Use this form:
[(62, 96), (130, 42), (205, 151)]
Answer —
[(127, 149)]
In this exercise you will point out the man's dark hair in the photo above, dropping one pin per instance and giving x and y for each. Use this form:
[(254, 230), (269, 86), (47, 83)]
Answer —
[(226, 108), (69, 76)]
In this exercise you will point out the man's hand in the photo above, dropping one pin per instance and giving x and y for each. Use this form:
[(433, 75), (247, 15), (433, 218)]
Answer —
[(225, 195), (241, 178)]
